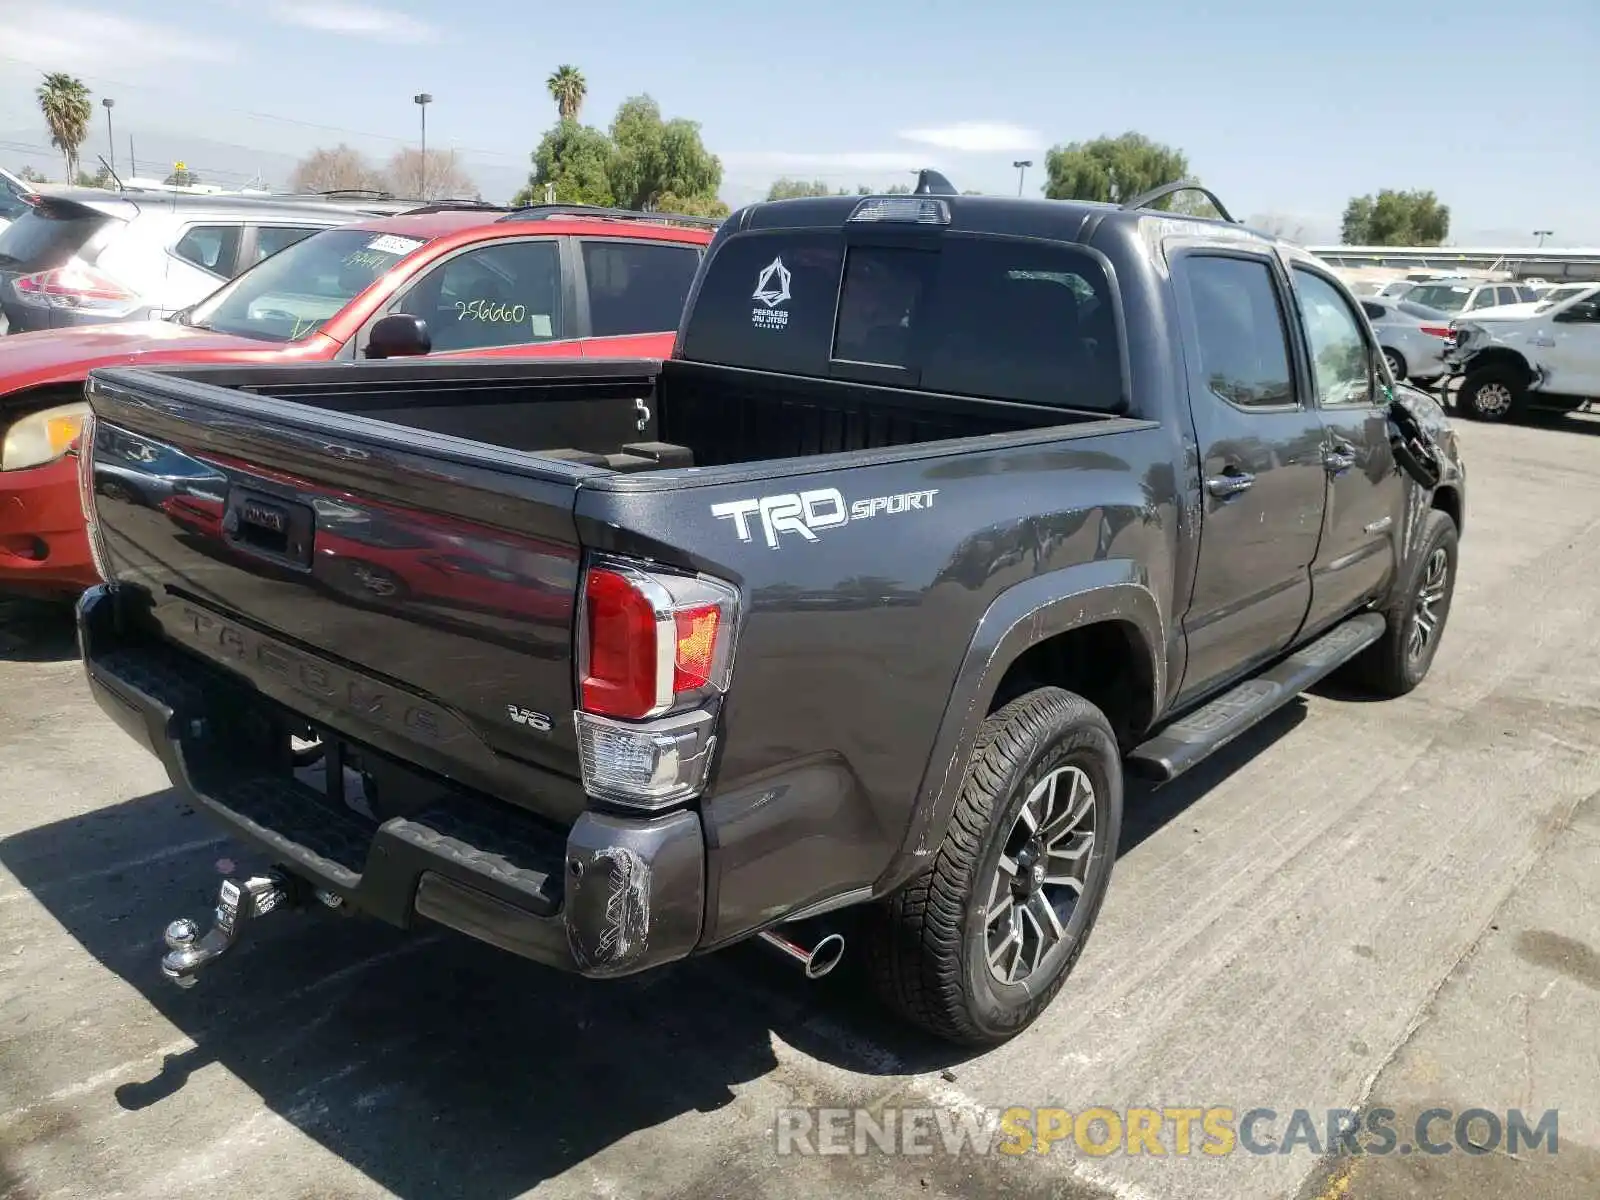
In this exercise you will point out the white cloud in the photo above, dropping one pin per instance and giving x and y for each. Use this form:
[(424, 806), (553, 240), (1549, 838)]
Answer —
[(978, 137), (357, 20), (59, 37)]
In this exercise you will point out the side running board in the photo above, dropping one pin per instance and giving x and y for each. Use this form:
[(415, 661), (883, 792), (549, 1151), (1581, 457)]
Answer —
[(1196, 737)]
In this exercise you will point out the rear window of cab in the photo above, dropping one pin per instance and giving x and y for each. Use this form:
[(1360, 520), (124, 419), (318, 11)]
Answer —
[(999, 318)]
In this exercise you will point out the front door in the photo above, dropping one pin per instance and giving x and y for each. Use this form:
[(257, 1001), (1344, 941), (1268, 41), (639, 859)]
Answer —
[(1361, 534), (1261, 466), (1574, 359)]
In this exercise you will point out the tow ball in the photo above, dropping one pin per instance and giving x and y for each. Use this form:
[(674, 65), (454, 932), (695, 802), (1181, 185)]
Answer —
[(238, 903)]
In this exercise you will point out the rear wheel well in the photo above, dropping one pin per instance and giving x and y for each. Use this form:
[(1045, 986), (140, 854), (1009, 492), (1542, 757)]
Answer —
[(1107, 663)]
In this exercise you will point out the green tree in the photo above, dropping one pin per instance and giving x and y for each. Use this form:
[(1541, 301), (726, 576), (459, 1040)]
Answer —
[(182, 178), (785, 188), (653, 158), (100, 179), (577, 160), (31, 175), (1115, 170), (64, 101), (1395, 218), (567, 88)]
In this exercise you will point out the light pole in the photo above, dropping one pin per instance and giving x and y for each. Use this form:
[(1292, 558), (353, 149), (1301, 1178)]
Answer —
[(422, 100), (1022, 166), (111, 142), (1541, 234)]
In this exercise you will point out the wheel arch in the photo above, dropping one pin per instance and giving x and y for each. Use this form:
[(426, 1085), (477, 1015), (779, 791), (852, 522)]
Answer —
[(1065, 628)]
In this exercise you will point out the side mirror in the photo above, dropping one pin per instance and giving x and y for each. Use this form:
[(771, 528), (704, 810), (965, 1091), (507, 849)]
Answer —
[(399, 335)]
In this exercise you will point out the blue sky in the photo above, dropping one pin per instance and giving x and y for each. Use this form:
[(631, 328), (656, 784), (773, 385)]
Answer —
[(1284, 109)]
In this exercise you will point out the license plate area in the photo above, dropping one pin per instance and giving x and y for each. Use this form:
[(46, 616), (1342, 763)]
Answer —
[(269, 527)]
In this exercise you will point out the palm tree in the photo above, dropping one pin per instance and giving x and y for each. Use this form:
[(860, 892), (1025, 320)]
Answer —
[(567, 89), (65, 104)]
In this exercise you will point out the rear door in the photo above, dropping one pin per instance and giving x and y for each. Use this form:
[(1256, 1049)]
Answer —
[(627, 288), (1361, 531), (1261, 467)]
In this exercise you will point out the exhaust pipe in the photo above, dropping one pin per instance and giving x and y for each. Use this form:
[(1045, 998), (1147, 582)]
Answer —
[(817, 961)]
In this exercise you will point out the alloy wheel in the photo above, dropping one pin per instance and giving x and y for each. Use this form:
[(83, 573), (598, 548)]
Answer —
[(1041, 874), (1425, 614)]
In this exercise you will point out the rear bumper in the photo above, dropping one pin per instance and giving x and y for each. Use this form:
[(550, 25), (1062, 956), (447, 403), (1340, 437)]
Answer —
[(43, 546), (611, 896)]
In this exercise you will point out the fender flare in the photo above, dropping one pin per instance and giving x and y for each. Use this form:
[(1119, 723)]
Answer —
[(1021, 617)]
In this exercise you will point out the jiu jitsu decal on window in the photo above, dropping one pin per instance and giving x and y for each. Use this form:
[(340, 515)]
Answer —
[(772, 289), (804, 513)]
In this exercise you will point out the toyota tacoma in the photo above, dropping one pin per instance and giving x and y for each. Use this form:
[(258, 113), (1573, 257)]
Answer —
[(945, 513)]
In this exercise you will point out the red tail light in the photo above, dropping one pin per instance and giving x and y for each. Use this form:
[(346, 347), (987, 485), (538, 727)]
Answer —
[(74, 286), (1439, 331), (655, 655), (652, 643)]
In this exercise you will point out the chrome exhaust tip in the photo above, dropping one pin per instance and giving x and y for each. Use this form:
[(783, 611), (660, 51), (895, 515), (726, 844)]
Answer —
[(815, 962)]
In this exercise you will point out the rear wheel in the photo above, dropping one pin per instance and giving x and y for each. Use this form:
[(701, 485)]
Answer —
[(1397, 364), (974, 949)]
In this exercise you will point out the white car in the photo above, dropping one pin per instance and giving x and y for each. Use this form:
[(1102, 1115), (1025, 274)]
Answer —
[(12, 193), (1549, 360), (1549, 296)]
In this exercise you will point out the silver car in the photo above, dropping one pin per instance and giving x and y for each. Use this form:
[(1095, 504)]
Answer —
[(1457, 296), (86, 256), (1413, 337)]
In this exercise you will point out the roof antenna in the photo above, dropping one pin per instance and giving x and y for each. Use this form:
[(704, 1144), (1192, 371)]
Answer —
[(931, 183), (110, 172)]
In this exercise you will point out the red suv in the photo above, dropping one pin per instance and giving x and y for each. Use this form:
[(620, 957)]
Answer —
[(551, 281)]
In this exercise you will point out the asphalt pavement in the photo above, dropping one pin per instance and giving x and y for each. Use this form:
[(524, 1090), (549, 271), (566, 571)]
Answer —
[(1359, 908)]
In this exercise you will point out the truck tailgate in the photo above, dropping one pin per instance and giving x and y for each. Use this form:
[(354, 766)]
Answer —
[(408, 590)]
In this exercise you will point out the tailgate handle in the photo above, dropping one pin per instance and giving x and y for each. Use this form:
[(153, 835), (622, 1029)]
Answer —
[(269, 527)]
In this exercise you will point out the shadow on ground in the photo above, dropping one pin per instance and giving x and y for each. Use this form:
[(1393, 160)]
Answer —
[(438, 1067), (36, 631)]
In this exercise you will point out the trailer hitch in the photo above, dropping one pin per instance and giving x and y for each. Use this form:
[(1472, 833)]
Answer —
[(238, 903)]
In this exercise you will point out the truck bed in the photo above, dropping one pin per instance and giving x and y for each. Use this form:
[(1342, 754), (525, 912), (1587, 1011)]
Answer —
[(589, 412)]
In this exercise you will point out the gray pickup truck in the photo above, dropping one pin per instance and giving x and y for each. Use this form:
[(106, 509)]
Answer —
[(946, 511)]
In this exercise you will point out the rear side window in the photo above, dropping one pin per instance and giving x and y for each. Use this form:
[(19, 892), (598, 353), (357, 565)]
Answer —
[(272, 238), (213, 248), (1022, 321), (1375, 312), (48, 235), (1011, 320), (1239, 327), (637, 287)]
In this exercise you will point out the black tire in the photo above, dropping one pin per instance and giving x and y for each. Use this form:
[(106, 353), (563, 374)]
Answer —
[(1397, 364), (1390, 666), (1492, 394), (929, 942)]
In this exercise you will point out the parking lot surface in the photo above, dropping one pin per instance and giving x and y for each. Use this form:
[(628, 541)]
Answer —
[(1357, 906)]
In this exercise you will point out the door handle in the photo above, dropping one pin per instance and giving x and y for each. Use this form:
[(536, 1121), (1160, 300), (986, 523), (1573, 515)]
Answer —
[(1230, 483), (1339, 457)]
